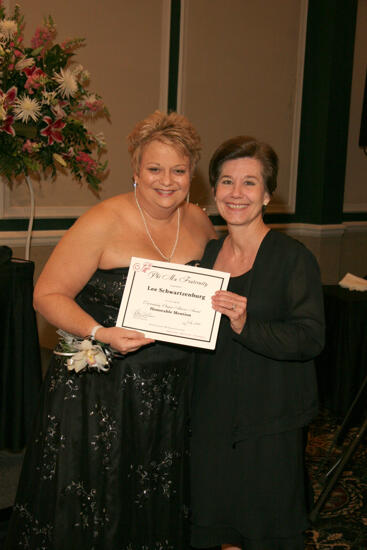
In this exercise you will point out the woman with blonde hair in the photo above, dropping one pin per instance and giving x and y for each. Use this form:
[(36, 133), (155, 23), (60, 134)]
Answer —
[(107, 465)]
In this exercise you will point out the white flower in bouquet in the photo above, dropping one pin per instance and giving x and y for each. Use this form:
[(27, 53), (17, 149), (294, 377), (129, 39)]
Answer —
[(24, 62), (27, 107), (67, 84), (8, 28)]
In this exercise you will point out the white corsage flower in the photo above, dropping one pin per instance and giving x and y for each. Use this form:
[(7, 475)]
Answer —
[(83, 354), (90, 356)]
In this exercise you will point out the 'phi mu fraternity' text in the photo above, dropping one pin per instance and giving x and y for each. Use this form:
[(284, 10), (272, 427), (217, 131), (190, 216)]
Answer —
[(176, 279)]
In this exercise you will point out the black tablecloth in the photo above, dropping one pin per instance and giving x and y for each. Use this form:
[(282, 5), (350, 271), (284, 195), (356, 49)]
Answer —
[(20, 361), (342, 366)]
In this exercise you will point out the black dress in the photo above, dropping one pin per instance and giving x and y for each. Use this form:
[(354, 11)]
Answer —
[(107, 465), (247, 492)]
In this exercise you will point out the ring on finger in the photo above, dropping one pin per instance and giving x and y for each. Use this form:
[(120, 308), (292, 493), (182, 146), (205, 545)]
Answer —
[(234, 307)]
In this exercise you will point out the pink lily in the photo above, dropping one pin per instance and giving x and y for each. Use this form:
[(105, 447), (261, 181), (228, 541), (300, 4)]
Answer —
[(8, 99), (58, 110), (7, 125), (52, 130)]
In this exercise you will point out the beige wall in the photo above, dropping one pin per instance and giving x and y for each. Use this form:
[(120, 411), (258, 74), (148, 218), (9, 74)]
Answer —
[(353, 249), (355, 195), (241, 73)]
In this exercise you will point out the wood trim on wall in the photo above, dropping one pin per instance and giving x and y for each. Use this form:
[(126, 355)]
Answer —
[(9, 212), (179, 68), (16, 239), (52, 237), (297, 112), (360, 226), (165, 54)]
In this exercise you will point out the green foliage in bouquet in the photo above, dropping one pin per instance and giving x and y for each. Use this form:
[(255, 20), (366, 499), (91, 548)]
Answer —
[(44, 105)]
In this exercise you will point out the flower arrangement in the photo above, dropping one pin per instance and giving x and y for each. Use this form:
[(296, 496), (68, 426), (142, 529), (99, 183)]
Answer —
[(44, 104)]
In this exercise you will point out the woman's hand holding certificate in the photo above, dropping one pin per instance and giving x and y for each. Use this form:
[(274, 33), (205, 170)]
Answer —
[(172, 302)]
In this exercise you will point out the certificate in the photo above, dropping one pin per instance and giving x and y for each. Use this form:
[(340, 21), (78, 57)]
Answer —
[(172, 302)]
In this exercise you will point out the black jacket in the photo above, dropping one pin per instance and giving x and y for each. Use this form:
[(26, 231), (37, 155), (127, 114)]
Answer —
[(284, 331)]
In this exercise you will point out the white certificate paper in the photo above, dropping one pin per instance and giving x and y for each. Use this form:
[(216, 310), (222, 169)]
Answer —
[(172, 302)]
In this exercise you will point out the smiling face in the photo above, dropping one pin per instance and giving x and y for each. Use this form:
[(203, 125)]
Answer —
[(240, 192), (164, 177)]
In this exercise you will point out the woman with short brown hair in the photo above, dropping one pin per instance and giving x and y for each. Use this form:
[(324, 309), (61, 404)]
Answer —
[(255, 393)]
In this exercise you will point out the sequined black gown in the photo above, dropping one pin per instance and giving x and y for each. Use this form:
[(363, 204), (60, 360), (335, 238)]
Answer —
[(106, 466)]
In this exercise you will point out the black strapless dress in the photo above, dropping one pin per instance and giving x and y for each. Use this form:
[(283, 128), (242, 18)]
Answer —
[(106, 467)]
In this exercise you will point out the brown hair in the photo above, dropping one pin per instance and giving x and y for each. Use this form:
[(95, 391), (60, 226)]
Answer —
[(246, 146), (172, 129)]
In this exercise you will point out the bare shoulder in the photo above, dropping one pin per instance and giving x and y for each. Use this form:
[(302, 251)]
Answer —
[(197, 217), (101, 218), (106, 210), (79, 252), (92, 231)]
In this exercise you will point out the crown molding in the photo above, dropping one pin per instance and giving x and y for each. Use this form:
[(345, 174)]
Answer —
[(39, 238), (310, 230), (360, 226), (305, 229), (51, 237)]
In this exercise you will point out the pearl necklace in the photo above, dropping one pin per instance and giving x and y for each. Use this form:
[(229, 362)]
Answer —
[(167, 258)]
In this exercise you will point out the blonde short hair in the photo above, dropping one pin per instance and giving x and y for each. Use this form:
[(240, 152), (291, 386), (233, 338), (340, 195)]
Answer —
[(172, 129)]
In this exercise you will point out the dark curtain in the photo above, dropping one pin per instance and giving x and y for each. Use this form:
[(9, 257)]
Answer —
[(342, 366), (20, 361)]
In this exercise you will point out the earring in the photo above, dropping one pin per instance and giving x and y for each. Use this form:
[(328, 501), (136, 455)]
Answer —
[(135, 184)]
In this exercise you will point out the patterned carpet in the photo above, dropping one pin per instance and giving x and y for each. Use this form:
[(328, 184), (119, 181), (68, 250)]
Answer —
[(342, 522)]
